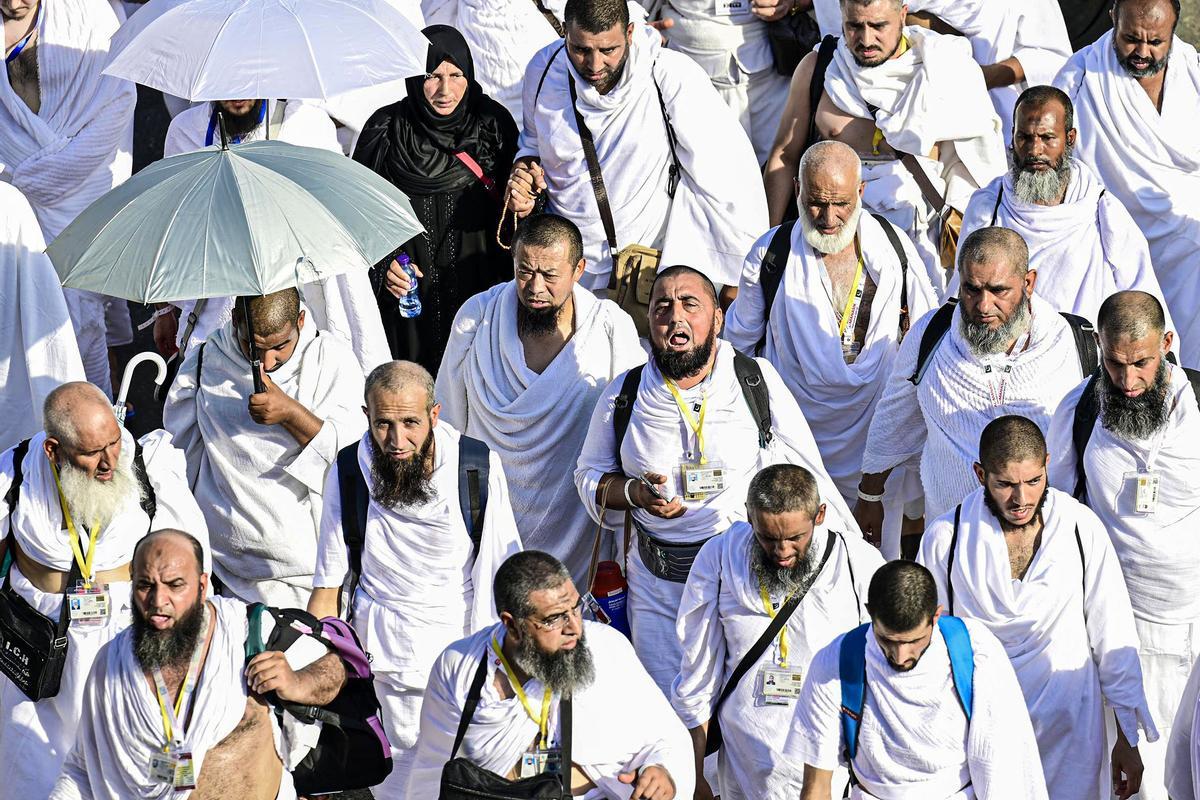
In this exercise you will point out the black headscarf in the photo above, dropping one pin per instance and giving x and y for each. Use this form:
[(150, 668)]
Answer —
[(413, 146)]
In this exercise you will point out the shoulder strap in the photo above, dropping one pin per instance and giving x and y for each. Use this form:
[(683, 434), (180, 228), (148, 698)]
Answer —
[(816, 85), (1082, 423), (950, 561), (962, 660), (149, 501), (938, 326), (254, 640), (623, 405), (550, 18), (996, 208), (473, 472), (852, 672), (1085, 342), (1193, 377), (469, 706), (1083, 566), (593, 164), (928, 191), (14, 489), (675, 171), (352, 491), (894, 239), (754, 390), (546, 71), (770, 274), (565, 723)]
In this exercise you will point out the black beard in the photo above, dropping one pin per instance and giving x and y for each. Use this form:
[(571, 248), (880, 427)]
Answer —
[(241, 124), (564, 672), (783, 580), (172, 647), (1134, 417), (994, 507), (686, 364), (1145, 72), (401, 483), (606, 86), (884, 60), (542, 322)]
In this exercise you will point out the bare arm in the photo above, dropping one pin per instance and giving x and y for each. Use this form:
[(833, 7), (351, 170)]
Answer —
[(314, 685), (1003, 73), (818, 784), (324, 603), (699, 743), (790, 140), (611, 494)]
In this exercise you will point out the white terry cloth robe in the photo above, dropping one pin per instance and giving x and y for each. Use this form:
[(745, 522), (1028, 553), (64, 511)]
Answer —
[(1084, 249), (36, 737), (803, 343), (1150, 161), (1159, 553), (122, 724), (942, 417), (536, 423), (37, 342), (343, 304), (931, 95), (659, 440), (260, 490), (78, 145), (719, 206), (1183, 750), (722, 616), (620, 722), (1067, 626), (914, 742), (422, 585)]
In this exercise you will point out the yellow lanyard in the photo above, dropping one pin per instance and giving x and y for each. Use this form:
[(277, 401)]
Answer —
[(695, 423), (852, 301), (85, 562), (877, 138), (544, 721), (172, 725), (783, 646)]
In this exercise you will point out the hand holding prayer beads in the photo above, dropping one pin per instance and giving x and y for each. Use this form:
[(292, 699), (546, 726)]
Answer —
[(526, 182)]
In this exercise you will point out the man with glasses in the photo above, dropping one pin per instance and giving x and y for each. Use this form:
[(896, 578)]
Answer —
[(510, 681)]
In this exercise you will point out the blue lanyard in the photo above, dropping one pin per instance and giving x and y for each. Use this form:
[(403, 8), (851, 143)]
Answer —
[(16, 51), (212, 124)]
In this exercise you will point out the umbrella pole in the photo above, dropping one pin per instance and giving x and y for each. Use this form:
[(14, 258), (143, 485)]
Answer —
[(255, 361), (221, 128)]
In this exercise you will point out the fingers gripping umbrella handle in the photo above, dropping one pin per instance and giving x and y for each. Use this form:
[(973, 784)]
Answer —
[(120, 406)]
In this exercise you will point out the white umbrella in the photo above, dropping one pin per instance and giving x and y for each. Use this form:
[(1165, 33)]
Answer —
[(251, 49)]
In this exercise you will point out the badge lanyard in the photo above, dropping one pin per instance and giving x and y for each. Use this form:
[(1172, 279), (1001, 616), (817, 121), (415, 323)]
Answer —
[(996, 395), (853, 304), (695, 423), (783, 645), (171, 714), (19, 46), (85, 562), (212, 126), (543, 722)]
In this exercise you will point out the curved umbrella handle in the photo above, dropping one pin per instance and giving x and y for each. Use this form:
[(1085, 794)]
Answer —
[(119, 406)]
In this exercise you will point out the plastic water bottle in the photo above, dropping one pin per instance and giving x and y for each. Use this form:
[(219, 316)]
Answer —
[(611, 591), (410, 304)]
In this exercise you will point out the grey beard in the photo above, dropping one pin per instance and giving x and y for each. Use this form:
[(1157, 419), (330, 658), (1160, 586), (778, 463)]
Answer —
[(401, 483), (985, 341), (784, 580), (92, 501), (1145, 72), (1134, 417), (1033, 186), (537, 323), (172, 647), (565, 671), (677, 366)]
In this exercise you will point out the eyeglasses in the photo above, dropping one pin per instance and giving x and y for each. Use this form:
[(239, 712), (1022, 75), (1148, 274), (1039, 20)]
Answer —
[(556, 622)]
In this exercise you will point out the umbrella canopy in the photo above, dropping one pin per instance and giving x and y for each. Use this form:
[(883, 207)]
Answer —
[(250, 219), (267, 49)]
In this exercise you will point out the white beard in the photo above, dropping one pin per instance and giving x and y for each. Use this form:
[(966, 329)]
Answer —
[(98, 502), (827, 244)]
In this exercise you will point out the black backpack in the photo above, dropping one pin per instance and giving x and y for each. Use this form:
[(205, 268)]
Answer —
[(939, 326), (473, 472)]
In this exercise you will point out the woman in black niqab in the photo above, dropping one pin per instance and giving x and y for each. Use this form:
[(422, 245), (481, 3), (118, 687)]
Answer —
[(433, 158)]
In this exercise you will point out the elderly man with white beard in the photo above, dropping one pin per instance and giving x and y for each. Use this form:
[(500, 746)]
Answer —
[(1127, 443), (620, 734), (1037, 568), (73, 502), (842, 288), (1082, 241), (1000, 350)]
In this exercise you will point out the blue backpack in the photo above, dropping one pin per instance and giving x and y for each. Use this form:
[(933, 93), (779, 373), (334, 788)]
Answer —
[(852, 670)]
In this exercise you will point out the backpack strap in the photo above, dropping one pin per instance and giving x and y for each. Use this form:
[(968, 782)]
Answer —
[(254, 640), (14, 489), (962, 660), (754, 390), (996, 208), (352, 491), (1085, 342), (472, 701), (770, 273), (938, 326), (816, 85), (1082, 423), (623, 405), (950, 561), (473, 472), (894, 239), (149, 500), (852, 671)]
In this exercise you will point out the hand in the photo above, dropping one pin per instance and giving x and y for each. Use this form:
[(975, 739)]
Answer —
[(269, 672), (703, 790), (869, 516), (1127, 762), (649, 783), (771, 10), (397, 281), (527, 180), (643, 498), (166, 328), (272, 406), (662, 25)]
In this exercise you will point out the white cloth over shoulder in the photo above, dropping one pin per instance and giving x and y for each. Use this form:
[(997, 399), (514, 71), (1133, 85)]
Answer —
[(914, 740), (37, 343), (722, 616), (622, 722), (718, 207), (1067, 627), (960, 393), (259, 488), (535, 422), (1183, 750), (1150, 161)]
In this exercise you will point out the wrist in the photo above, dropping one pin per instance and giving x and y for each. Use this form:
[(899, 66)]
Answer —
[(628, 496), (869, 497)]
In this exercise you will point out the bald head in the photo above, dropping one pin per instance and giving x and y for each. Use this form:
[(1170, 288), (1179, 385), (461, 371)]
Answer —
[(1130, 315), (270, 314), (176, 545), (831, 157), (994, 245), (1010, 439), (1153, 9), (74, 408), (397, 377)]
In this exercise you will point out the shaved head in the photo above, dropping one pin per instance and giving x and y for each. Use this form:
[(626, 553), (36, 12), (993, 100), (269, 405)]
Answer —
[(170, 539), (897, 4), (270, 314), (1010, 439), (830, 156), (1130, 315), (987, 245), (73, 407), (395, 377), (706, 283)]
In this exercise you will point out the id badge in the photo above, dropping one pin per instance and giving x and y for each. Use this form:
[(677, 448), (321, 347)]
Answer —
[(88, 606), (538, 761), (183, 771), (162, 767), (780, 686), (701, 480), (733, 8), (1145, 485)]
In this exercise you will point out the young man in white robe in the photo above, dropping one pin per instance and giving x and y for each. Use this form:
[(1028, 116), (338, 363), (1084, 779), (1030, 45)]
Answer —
[(914, 738), (106, 510), (237, 746), (66, 131), (1006, 351), (690, 424), (1137, 105), (892, 90), (739, 581), (343, 304), (1036, 567), (524, 366), (37, 341), (1082, 241), (423, 583), (627, 89), (624, 735), (833, 346), (1144, 420), (257, 461)]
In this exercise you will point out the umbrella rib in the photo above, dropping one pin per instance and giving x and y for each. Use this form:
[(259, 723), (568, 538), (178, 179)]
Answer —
[(204, 64), (312, 54)]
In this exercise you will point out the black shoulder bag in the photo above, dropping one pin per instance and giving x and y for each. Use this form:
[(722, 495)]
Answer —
[(33, 647)]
